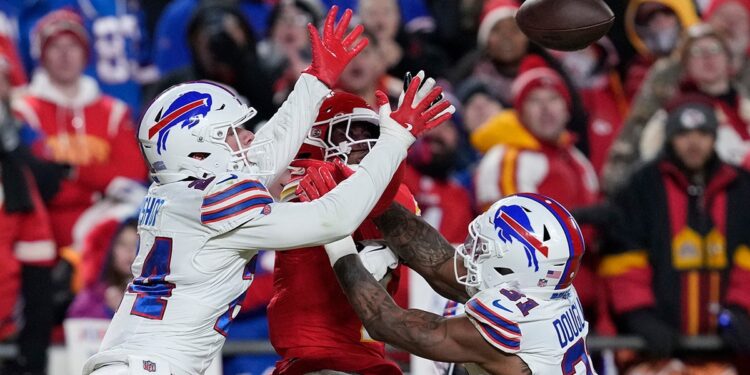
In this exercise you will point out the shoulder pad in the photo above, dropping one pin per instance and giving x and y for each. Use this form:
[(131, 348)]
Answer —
[(497, 319), (233, 200)]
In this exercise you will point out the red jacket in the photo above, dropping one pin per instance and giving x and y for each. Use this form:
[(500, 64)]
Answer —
[(25, 238), (91, 132)]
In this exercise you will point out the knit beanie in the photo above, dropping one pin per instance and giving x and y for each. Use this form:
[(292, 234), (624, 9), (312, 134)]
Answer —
[(493, 12), (533, 74), (690, 112), (59, 22)]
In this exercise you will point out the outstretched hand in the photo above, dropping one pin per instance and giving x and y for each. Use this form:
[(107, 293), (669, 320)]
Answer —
[(321, 177), (421, 107), (333, 52)]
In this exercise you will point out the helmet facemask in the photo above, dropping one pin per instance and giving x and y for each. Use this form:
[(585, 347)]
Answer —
[(254, 158), (473, 252), (343, 125)]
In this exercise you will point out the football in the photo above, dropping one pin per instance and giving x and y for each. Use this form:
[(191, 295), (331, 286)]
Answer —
[(564, 25)]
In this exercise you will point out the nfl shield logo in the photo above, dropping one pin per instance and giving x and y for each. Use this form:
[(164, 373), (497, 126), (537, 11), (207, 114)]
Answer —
[(149, 366), (541, 283)]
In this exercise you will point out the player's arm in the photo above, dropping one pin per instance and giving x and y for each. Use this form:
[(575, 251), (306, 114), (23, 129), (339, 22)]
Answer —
[(423, 249), (286, 130), (419, 332), (340, 212)]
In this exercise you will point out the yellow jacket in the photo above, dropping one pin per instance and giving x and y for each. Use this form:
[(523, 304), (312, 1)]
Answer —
[(684, 9)]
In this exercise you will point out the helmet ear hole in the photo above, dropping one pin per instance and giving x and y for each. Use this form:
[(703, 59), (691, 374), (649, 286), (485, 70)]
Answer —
[(199, 155), (545, 236), (503, 271)]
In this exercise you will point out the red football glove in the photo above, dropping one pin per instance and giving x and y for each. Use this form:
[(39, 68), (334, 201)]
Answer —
[(417, 113), (321, 177), (333, 52)]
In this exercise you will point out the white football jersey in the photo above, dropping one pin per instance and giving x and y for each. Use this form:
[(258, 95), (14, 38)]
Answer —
[(549, 335), (189, 279)]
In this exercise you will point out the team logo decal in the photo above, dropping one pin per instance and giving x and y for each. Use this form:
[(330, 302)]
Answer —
[(186, 111), (512, 223), (149, 366)]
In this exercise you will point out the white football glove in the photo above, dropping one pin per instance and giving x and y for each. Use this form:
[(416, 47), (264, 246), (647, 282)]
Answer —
[(377, 258)]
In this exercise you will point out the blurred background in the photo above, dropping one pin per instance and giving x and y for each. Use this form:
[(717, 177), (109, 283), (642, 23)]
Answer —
[(644, 135)]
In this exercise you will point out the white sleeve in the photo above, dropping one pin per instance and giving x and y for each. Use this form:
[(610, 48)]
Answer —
[(288, 127), (335, 215)]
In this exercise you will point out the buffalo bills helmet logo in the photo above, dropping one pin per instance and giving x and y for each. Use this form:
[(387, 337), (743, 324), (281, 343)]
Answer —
[(186, 111), (512, 223)]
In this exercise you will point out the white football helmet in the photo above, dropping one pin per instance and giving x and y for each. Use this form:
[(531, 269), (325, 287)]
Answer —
[(183, 134), (528, 240)]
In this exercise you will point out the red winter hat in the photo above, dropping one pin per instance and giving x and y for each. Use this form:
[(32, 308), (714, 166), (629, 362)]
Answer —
[(54, 24), (493, 12), (534, 73)]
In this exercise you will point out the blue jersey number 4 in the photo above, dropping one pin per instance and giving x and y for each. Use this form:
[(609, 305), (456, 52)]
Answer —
[(151, 287)]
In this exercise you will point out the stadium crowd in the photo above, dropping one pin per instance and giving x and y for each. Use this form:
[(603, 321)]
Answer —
[(644, 135)]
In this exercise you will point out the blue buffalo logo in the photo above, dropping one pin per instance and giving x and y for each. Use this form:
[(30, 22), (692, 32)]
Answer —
[(512, 223), (186, 111)]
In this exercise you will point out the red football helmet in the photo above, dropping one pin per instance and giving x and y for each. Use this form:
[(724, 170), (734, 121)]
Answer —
[(333, 133)]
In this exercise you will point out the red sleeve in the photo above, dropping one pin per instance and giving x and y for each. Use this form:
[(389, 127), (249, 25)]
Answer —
[(738, 293), (628, 279), (125, 160), (35, 245), (16, 74)]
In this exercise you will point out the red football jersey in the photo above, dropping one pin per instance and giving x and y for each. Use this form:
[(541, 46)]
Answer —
[(312, 326)]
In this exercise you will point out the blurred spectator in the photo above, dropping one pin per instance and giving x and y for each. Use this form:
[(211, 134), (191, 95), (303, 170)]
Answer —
[(681, 266), (731, 18), (411, 10), (707, 64), (654, 28), (224, 48), (502, 50), (119, 54), (97, 226), (171, 48), (367, 74), (286, 51), (593, 70), (661, 85), (26, 248), (403, 50), (479, 105), (74, 124), (537, 155), (443, 203), (100, 300), (456, 25)]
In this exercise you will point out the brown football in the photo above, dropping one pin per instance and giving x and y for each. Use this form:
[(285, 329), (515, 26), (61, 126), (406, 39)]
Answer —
[(564, 25)]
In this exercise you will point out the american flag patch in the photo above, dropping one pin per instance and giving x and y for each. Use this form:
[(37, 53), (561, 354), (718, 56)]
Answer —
[(554, 274)]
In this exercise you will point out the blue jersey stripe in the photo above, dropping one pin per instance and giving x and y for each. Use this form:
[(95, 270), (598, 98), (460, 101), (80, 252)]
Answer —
[(476, 307), (497, 337), (229, 211), (239, 188)]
